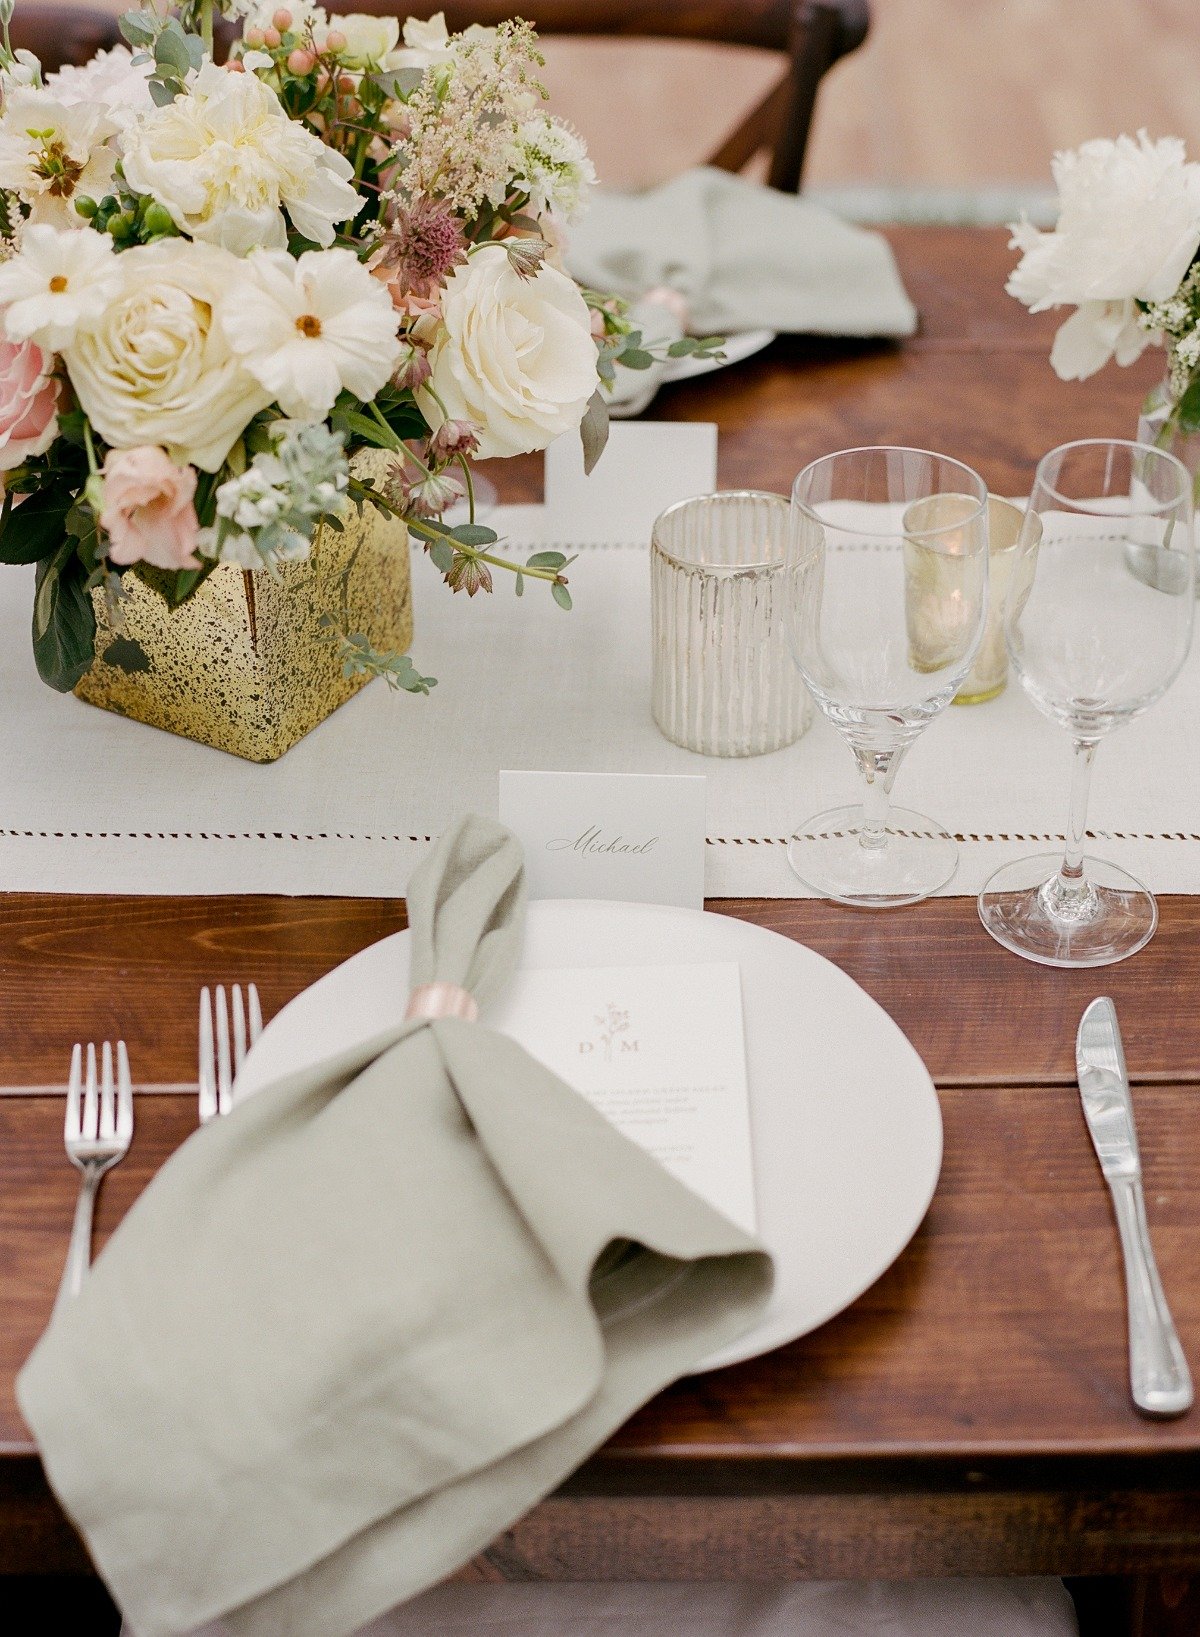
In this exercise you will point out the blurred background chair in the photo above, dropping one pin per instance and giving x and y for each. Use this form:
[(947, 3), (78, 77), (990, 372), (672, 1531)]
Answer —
[(62, 34), (809, 36)]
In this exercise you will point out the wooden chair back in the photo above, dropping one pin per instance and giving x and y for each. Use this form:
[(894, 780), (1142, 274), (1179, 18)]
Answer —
[(61, 35)]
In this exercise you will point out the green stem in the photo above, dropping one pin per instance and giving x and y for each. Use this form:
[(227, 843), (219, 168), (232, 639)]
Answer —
[(470, 482), (396, 443), (206, 25), (93, 466)]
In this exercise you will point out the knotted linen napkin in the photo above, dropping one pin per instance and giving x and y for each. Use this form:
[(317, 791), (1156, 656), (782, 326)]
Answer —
[(742, 257), (356, 1328)]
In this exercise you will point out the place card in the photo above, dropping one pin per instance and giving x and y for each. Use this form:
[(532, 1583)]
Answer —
[(658, 1050), (646, 467), (638, 837)]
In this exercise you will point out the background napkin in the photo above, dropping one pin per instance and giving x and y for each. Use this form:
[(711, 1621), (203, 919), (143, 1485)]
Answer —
[(743, 257), (351, 1331)]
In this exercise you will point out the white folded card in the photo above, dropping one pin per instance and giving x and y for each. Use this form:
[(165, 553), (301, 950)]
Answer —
[(646, 467), (636, 837), (658, 1050)]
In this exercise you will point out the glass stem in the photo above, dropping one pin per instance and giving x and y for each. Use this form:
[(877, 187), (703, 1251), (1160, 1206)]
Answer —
[(878, 769), (1071, 883)]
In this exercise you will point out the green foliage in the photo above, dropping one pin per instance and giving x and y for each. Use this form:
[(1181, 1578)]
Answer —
[(64, 622), (593, 431), (34, 530), (359, 658), (1188, 411)]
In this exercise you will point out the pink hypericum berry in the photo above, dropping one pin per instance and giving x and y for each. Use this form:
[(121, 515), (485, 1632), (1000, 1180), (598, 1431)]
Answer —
[(282, 18), (301, 62), (345, 84), (253, 36), (236, 66), (272, 38), (335, 40)]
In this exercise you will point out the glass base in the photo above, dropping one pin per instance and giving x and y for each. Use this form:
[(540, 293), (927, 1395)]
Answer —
[(916, 859), (1113, 920)]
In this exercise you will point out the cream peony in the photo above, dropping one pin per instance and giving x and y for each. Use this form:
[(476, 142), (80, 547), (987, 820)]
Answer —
[(157, 367), (226, 162), (112, 79), (308, 328), (514, 355), (53, 153), (369, 40), (58, 283), (1128, 228)]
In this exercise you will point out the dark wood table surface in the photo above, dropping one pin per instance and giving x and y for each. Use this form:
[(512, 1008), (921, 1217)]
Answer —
[(971, 1413)]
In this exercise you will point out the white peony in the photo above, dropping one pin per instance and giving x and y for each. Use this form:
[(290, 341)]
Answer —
[(427, 43), (226, 161), (52, 153), (1128, 228), (307, 328), (58, 283), (112, 80), (514, 355), (369, 40), (24, 69), (157, 368)]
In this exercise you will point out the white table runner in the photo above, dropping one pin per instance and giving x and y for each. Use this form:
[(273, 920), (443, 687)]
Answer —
[(94, 803)]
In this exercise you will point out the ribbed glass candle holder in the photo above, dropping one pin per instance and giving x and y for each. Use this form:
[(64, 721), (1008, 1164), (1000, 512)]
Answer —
[(724, 681)]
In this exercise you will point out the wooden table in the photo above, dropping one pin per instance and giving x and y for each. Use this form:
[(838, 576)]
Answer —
[(970, 1414)]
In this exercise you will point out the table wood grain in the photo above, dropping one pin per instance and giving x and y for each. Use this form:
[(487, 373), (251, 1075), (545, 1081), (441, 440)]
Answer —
[(970, 1414)]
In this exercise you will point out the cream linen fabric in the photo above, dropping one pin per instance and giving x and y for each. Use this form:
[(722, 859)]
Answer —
[(351, 1332), (743, 258)]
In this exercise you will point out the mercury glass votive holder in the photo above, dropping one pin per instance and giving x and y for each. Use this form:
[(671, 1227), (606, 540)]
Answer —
[(723, 680), (931, 578)]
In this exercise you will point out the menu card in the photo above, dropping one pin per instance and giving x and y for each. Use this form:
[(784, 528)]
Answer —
[(660, 1051)]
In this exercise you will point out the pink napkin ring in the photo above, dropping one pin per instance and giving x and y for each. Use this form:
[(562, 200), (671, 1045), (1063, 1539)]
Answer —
[(434, 1000)]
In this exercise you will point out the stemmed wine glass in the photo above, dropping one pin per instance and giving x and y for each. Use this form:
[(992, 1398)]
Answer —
[(1098, 621), (886, 595)]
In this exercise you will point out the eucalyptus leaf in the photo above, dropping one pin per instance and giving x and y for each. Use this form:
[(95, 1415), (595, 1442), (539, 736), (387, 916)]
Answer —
[(593, 430), (442, 553), (474, 534), (636, 358), (561, 595), (546, 559)]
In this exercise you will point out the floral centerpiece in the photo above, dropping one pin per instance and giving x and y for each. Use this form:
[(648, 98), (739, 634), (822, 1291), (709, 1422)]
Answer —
[(240, 303), (1124, 254)]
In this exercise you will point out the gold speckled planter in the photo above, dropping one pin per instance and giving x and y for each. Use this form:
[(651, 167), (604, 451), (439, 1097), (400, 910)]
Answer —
[(244, 666)]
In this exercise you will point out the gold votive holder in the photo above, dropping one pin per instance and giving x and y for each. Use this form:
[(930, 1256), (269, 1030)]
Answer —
[(932, 589)]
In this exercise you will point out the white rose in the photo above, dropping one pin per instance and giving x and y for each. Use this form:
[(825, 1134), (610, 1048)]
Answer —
[(1128, 228), (226, 161), (369, 40), (514, 355), (156, 367)]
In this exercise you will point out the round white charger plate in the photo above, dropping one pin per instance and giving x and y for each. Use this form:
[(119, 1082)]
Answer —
[(846, 1125)]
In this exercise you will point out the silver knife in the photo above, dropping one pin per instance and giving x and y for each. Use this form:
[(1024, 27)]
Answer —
[(1158, 1372)]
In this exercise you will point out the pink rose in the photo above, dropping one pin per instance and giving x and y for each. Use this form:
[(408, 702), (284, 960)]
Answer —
[(28, 402), (148, 514)]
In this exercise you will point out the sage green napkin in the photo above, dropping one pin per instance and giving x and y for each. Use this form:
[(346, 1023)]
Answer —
[(352, 1331), (744, 257)]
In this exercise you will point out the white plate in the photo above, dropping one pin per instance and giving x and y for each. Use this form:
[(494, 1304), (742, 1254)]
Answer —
[(846, 1124), (736, 349)]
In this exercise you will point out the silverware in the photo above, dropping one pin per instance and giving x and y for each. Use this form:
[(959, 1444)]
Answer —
[(1158, 1371), (217, 1066), (98, 1129)]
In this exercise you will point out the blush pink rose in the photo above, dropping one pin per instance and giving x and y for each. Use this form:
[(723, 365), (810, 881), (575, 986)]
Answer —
[(149, 514), (28, 402)]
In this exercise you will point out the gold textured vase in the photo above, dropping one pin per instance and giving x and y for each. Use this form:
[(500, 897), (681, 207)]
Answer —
[(245, 665)]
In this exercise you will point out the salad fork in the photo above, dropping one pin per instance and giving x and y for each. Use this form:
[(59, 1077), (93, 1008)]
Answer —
[(98, 1129), (218, 1066)]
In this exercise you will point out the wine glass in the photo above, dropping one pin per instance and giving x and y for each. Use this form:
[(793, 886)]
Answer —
[(1098, 622), (886, 596)]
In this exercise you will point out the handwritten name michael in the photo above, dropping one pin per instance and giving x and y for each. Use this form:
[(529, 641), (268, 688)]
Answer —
[(594, 841)]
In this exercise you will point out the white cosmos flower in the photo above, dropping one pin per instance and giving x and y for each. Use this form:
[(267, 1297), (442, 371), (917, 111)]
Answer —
[(58, 283), (226, 161), (1128, 228), (52, 154), (308, 328), (110, 79)]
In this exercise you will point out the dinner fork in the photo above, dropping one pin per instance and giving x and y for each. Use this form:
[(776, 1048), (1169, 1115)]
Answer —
[(217, 1068), (98, 1129)]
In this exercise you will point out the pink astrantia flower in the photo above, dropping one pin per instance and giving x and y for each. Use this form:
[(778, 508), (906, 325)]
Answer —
[(149, 513), (28, 402)]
